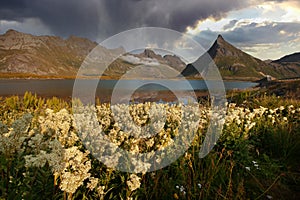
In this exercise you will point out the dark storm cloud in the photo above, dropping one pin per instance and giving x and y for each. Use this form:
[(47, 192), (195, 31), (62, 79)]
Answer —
[(64, 18), (14, 9), (68, 17), (175, 14), (102, 18), (12, 4)]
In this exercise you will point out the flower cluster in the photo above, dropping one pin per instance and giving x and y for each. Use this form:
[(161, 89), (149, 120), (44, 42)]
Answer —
[(12, 139), (68, 142), (77, 166), (59, 125), (134, 182), (242, 120)]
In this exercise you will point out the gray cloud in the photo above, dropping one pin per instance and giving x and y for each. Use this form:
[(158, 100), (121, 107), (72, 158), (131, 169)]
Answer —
[(102, 18), (26, 26), (230, 25), (271, 32), (248, 36)]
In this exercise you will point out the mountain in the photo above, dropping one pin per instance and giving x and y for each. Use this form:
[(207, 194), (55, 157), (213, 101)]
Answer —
[(295, 57), (289, 62), (22, 53), (171, 60), (147, 64), (236, 64), (27, 55)]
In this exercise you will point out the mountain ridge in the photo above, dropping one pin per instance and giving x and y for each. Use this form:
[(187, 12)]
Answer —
[(23, 53), (294, 57), (149, 65), (233, 63)]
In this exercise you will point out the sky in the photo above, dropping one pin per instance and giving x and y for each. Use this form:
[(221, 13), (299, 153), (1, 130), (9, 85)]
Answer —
[(266, 29)]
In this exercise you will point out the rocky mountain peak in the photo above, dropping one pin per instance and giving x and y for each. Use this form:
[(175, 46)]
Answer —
[(12, 32), (222, 48), (220, 39), (23, 53), (149, 53), (41, 55), (175, 62), (13, 39), (233, 62)]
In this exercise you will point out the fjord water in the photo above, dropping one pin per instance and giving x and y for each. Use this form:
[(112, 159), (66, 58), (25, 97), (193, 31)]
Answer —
[(64, 87)]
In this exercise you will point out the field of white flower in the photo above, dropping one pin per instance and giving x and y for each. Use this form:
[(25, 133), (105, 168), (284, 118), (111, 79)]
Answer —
[(44, 155)]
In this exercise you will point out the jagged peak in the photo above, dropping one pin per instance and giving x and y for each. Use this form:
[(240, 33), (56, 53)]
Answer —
[(11, 31), (149, 52), (220, 39), (14, 33), (223, 48)]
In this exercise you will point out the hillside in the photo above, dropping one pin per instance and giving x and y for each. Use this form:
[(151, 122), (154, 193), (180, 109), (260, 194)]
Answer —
[(22, 53), (236, 64), (26, 55), (147, 64), (295, 57), (290, 62)]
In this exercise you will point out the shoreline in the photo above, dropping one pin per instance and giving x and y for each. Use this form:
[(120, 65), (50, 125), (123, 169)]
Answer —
[(141, 97), (119, 78), (16, 76)]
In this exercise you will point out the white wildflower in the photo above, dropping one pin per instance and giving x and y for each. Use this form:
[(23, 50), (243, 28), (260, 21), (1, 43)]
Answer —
[(76, 169), (101, 190), (92, 183), (134, 182), (36, 161), (281, 108)]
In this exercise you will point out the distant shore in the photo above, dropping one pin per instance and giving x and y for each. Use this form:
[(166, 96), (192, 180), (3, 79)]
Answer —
[(56, 77)]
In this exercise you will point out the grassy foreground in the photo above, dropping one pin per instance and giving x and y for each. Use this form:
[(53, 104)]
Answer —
[(256, 157)]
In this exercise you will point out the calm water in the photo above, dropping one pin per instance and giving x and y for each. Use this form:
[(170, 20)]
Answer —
[(64, 88)]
